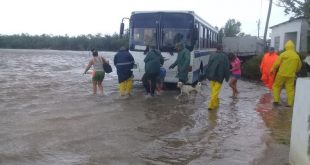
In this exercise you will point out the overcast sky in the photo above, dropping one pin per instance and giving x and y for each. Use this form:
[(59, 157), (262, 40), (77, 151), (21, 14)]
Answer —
[(77, 17)]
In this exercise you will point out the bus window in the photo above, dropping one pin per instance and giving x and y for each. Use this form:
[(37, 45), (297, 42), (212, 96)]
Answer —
[(143, 30), (173, 36), (176, 27), (144, 36)]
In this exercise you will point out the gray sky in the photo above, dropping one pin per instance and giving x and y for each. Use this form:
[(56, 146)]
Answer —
[(77, 17)]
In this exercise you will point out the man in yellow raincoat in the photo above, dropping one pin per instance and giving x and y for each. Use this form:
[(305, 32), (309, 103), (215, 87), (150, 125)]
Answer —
[(286, 67)]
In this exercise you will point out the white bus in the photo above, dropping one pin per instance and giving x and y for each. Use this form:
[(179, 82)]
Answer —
[(166, 28)]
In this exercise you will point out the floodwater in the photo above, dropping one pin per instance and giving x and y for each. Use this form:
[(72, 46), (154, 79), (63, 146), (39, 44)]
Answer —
[(48, 116)]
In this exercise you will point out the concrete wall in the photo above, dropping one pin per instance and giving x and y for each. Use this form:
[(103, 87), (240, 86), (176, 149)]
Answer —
[(300, 134), (281, 30)]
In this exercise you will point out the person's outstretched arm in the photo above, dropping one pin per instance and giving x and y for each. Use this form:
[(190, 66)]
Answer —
[(88, 66)]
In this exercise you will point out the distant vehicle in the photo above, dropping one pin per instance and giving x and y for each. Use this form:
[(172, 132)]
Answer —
[(164, 29), (243, 46)]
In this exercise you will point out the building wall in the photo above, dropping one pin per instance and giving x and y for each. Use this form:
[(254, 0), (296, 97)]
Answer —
[(304, 36), (281, 30)]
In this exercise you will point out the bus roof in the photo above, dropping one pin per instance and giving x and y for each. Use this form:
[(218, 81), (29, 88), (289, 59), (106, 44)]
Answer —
[(180, 11)]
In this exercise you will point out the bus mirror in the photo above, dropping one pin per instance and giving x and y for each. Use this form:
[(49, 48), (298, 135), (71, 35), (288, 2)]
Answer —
[(121, 31)]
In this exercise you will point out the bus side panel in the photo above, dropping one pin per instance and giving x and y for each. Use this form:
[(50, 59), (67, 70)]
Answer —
[(199, 58), (168, 60), (170, 73), (138, 71)]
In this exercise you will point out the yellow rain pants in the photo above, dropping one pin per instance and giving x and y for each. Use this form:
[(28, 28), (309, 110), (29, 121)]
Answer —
[(215, 91), (125, 87), (289, 87)]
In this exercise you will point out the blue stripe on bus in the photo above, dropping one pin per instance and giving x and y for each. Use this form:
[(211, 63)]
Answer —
[(200, 54), (196, 73)]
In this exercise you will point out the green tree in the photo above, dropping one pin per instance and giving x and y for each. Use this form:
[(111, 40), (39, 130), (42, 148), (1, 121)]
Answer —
[(232, 28), (221, 35), (83, 42), (298, 8)]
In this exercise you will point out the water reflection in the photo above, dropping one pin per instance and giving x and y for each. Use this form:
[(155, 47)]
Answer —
[(277, 119), (212, 119), (49, 116)]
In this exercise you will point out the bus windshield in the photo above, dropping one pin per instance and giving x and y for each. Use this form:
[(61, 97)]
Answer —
[(162, 30), (176, 27), (143, 29)]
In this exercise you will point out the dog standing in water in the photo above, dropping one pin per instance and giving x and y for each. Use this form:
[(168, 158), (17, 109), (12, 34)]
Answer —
[(188, 89)]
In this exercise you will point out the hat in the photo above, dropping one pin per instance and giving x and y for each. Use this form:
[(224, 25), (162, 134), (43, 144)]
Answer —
[(152, 46), (219, 47), (123, 48), (179, 45), (95, 52)]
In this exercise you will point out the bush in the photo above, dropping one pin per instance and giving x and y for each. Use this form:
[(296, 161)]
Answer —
[(251, 68), (303, 71)]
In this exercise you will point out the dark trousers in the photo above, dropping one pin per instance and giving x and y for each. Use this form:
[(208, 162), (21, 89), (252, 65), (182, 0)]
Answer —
[(183, 81), (149, 82)]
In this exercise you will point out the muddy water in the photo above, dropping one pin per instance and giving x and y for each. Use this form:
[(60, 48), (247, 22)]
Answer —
[(48, 116)]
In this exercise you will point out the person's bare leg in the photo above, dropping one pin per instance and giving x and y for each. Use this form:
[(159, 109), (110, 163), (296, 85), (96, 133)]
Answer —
[(231, 84), (157, 88), (237, 92), (235, 88), (99, 83), (161, 86), (94, 87)]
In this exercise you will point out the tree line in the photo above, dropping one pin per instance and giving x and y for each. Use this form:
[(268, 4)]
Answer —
[(295, 8), (232, 28), (81, 42)]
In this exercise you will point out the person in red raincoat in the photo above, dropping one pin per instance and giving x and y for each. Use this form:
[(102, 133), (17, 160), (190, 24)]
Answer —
[(266, 64)]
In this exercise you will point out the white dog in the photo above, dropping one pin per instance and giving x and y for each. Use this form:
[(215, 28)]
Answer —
[(188, 89)]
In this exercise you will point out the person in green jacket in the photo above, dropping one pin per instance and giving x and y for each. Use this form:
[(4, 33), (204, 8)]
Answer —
[(285, 68), (182, 62), (217, 71), (153, 61)]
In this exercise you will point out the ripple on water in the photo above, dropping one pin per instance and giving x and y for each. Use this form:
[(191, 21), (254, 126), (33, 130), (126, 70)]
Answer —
[(44, 91)]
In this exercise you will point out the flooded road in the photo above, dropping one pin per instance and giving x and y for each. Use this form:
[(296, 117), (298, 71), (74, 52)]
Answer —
[(48, 116)]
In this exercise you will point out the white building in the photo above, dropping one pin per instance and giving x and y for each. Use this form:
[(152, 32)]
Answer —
[(296, 30)]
